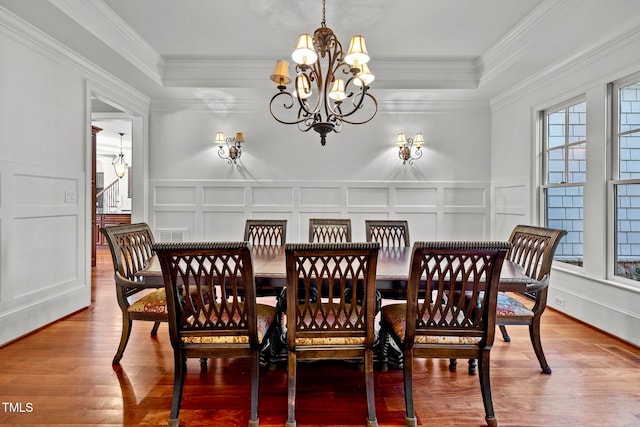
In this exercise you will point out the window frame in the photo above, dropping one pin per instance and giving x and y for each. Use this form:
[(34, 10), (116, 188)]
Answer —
[(614, 180), (544, 169)]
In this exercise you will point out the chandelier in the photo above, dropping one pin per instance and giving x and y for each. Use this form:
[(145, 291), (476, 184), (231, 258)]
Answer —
[(119, 165), (325, 97)]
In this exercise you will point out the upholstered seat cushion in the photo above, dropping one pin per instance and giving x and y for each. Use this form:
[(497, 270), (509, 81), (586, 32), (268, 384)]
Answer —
[(265, 316), (154, 302), (395, 315), (512, 308)]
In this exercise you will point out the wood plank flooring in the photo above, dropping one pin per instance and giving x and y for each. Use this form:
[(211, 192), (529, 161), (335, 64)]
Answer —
[(62, 375)]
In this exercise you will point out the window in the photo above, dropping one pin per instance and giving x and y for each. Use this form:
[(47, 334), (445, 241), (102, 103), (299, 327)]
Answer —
[(565, 141), (626, 177)]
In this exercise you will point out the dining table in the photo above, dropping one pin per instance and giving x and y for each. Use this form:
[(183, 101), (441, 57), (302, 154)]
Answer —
[(392, 272)]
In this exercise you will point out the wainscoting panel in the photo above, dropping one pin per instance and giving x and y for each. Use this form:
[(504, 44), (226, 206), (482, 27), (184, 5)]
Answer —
[(320, 196), (510, 207), (416, 197), (460, 196), (223, 196), (365, 197), (174, 196), (272, 196), (44, 271), (435, 210)]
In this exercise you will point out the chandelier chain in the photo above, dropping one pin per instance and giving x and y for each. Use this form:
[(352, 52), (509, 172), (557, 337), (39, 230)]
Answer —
[(324, 9)]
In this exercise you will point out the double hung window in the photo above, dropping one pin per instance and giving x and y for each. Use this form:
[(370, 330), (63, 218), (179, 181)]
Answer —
[(626, 177), (565, 140)]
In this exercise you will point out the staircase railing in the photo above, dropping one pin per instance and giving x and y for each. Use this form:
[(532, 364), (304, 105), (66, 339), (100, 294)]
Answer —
[(108, 198)]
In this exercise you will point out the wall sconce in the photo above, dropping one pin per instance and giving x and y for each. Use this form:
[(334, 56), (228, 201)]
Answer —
[(409, 149), (233, 149), (119, 165)]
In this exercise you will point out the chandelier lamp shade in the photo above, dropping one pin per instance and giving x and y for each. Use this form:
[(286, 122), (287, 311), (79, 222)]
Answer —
[(229, 148), (119, 165), (409, 149), (329, 87)]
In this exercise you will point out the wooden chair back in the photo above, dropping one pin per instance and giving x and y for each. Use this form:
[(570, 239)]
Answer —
[(436, 309), (266, 232), (533, 249), (210, 293), (131, 247), (390, 233), (329, 230)]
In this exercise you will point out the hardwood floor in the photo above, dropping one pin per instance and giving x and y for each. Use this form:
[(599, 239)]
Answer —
[(62, 375)]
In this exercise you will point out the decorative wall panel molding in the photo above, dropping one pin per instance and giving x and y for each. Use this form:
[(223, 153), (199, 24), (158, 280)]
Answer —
[(435, 210)]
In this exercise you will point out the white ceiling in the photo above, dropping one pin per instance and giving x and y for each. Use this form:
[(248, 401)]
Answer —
[(420, 49)]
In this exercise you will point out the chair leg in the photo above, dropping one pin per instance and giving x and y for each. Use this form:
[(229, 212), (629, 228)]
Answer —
[(505, 334), (291, 394), (371, 398), (179, 372), (453, 364), (255, 385), (154, 330), (485, 389), (407, 368), (472, 366), (124, 338), (534, 333)]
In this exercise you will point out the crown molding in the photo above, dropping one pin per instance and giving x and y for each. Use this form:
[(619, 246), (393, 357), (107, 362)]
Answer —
[(26, 34), (618, 39), (101, 21), (511, 47)]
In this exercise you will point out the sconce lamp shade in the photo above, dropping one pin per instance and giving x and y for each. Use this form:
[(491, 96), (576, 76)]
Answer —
[(239, 137), (304, 52), (418, 140), (303, 90), (219, 138), (281, 73), (357, 54), (401, 140), (365, 76)]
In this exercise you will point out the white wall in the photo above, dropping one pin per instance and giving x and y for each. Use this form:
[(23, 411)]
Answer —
[(285, 173), (586, 293), (43, 274), (45, 88)]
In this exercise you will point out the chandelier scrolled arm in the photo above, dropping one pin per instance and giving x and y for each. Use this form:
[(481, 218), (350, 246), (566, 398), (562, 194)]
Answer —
[(324, 100)]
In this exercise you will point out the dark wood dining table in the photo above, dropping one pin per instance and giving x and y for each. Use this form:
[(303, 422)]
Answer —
[(391, 275)]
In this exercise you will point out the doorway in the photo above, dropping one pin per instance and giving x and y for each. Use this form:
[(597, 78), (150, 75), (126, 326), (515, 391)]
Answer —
[(112, 188)]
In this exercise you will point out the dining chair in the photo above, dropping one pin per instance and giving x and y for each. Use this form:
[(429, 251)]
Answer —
[(390, 233), (131, 248), (440, 321), (329, 230), (206, 324), (330, 310), (266, 232), (533, 248)]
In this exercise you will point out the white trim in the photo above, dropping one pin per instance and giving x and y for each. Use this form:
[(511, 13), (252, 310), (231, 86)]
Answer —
[(101, 21)]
